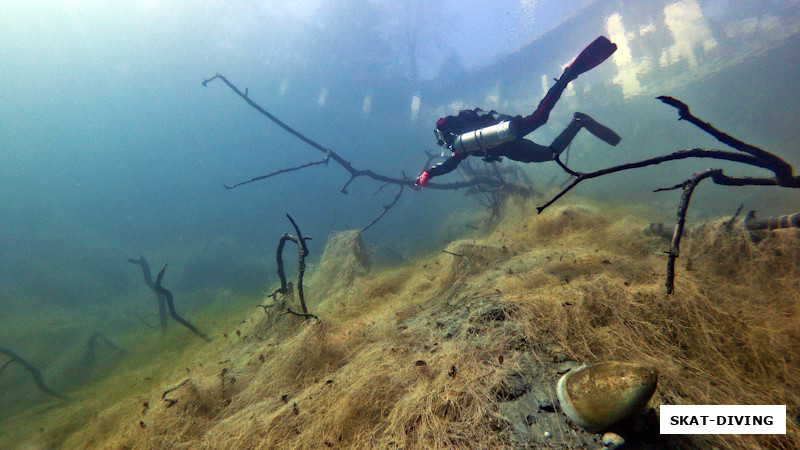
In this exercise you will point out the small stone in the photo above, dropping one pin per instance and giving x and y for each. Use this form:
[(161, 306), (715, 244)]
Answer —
[(547, 434), (561, 357), (547, 406), (612, 440), (530, 420)]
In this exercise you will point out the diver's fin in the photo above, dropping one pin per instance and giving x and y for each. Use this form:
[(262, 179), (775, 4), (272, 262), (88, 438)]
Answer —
[(594, 54), (601, 131)]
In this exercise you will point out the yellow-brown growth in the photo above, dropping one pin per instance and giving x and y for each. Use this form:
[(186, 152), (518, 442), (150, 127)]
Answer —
[(422, 355)]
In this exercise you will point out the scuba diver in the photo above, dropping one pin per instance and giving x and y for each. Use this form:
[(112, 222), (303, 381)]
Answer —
[(492, 135)]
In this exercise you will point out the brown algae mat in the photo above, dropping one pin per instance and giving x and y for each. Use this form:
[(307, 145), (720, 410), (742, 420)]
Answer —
[(463, 349)]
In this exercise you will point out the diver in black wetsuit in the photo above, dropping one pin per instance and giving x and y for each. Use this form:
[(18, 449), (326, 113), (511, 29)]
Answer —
[(501, 135)]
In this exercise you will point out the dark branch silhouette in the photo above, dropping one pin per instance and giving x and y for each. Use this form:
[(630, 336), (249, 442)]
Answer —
[(750, 155), (674, 247), (306, 315), (286, 287), (164, 291), (338, 159), (94, 342), (386, 209), (37, 376), (148, 280), (278, 172), (171, 401)]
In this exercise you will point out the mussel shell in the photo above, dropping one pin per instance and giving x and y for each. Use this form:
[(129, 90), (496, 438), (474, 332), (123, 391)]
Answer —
[(602, 394)]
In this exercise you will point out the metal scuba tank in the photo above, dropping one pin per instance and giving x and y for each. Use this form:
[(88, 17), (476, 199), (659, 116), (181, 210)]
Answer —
[(485, 138)]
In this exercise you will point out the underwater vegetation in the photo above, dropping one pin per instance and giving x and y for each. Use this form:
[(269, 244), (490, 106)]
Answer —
[(490, 311), (463, 348)]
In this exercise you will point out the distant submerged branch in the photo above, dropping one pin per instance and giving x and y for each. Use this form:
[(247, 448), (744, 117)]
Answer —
[(170, 303), (37, 376), (148, 280)]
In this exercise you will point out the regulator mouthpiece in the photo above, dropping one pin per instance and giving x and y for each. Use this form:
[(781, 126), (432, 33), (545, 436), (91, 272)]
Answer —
[(485, 138)]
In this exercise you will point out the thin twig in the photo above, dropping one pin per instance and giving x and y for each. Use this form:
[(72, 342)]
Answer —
[(148, 280), (306, 315), (729, 224), (277, 172), (171, 401), (386, 208)]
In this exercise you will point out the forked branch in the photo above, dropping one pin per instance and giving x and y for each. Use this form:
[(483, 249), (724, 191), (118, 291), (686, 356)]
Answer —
[(747, 154), (302, 251), (345, 164)]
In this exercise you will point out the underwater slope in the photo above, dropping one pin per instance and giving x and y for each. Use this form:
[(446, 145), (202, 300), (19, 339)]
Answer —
[(462, 349)]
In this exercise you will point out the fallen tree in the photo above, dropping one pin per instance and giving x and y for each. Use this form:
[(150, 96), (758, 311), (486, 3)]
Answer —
[(483, 181), (747, 154)]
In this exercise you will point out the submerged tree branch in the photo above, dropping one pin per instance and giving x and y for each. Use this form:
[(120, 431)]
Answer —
[(332, 155), (92, 344), (37, 376), (171, 305), (302, 252), (306, 315), (148, 280), (675, 244), (278, 172), (386, 209), (750, 155)]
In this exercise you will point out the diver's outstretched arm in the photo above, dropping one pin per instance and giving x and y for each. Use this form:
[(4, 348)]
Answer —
[(442, 168)]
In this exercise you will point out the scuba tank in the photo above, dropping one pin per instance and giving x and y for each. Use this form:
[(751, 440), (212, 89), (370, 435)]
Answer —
[(485, 138)]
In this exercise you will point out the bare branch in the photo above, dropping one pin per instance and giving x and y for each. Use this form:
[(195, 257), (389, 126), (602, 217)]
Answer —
[(37, 376), (682, 154), (164, 291), (278, 172), (171, 401), (674, 247), (306, 315), (750, 155), (729, 224), (330, 154), (781, 168), (386, 208), (302, 252)]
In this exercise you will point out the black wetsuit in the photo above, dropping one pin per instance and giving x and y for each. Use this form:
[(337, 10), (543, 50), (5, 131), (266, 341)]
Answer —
[(527, 151), (520, 149)]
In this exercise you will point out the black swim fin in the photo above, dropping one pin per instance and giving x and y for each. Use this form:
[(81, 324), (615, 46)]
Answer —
[(594, 54), (601, 131)]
